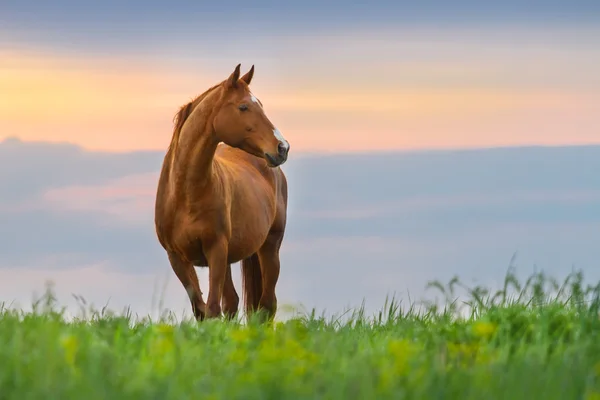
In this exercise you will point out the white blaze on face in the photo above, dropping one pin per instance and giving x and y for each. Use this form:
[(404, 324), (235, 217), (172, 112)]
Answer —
[(280, 137), (276, 131)]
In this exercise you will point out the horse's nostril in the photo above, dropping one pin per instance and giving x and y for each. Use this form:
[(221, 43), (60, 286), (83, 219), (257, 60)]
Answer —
[(282, 148)]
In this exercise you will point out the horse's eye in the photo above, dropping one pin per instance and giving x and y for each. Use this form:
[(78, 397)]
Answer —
[(243, 107)]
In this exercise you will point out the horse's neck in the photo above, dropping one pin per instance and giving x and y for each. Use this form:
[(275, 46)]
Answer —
[(192, 163)]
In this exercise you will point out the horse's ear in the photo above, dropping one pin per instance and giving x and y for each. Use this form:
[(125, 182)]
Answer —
[(232, 81), (248, 76)]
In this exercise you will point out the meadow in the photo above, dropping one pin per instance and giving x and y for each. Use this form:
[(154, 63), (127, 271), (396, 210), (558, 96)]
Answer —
[(532, 340)]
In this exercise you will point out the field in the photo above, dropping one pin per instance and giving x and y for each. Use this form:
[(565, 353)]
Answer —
[(536, 340)]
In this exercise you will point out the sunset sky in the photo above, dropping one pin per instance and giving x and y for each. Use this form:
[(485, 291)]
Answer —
[(389, 76)]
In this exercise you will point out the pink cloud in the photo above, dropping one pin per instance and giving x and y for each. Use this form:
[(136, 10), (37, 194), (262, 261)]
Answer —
[(130, 198)]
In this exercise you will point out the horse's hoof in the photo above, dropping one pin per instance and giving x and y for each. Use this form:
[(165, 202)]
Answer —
[(199, 312), (213, 311)]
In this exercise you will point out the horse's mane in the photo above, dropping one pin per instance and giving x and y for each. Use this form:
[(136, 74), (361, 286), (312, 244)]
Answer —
[(184, 112)]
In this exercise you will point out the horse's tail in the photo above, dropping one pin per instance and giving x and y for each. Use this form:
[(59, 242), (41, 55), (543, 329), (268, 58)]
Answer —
[(251, 283)]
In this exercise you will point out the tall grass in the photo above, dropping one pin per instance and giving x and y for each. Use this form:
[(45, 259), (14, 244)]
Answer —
[(532, 340)]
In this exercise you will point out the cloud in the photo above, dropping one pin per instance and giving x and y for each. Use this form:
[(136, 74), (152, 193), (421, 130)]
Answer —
[(30, 168), (44, 216), (281, 17), (129, 199), (360, 225), (412, 86)]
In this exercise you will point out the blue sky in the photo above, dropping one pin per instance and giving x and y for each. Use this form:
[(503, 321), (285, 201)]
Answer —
[(361, 226), (114, 25)]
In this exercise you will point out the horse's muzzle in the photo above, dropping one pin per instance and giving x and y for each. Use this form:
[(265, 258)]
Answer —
[(275, 160)]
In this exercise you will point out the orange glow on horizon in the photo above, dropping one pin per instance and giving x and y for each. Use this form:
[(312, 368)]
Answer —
[(130, 105)]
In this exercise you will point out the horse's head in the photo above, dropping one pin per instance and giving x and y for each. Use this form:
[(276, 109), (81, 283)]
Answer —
[(241, 122)]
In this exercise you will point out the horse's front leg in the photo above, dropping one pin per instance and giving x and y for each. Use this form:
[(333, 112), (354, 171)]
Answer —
[(186, 273), (230, 301), (216, 255)]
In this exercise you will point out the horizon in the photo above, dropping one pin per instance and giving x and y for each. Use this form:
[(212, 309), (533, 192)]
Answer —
[(400, 151)]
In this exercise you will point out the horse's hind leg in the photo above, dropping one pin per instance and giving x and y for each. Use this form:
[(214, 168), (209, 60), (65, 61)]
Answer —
[(230, 300), (269, 266), (268, 255), (186, 273)]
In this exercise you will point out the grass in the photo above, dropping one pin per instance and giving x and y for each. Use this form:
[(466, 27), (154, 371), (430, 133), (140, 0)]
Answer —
[(534, 341)]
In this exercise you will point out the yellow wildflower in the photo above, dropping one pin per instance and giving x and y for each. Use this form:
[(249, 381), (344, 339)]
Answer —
[(484, 329), (242, 335), (592, 395), (165, 329), (70, 345), (402, 351), (597, 368)]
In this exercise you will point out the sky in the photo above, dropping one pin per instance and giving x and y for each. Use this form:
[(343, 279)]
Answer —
[(361, 226), (352, 78), (89, 90)]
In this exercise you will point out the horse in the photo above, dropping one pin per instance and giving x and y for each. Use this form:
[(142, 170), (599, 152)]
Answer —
[(222, 198)]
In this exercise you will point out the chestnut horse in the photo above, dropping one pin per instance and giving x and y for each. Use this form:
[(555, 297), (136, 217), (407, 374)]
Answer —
[(222, 198)]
